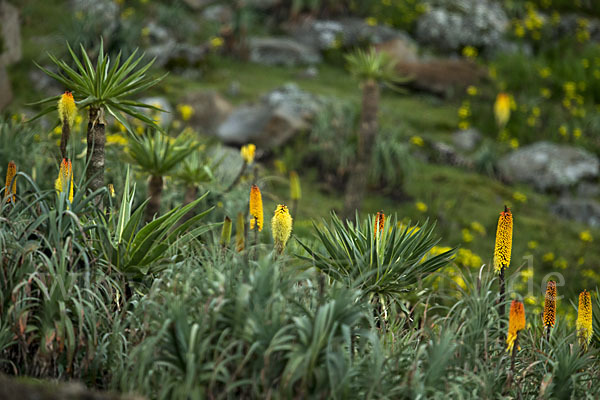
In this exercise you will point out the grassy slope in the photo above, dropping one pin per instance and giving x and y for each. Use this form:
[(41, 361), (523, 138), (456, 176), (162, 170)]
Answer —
[(455, 198)]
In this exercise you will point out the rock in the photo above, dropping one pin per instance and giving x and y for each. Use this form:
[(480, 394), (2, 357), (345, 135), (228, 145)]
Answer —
[(440, 76), (101, 17), (173, 55), (281, 51), (278, 116), (399, 50), (10, 34), (570, 24), (450, 25), (345, 32), (443, 153), (228, 163), (548, 166), (218, 13), (5, 88), (198, 4), (210, 110), (466, 140), (582, 210), (588, 189), (164, 118)]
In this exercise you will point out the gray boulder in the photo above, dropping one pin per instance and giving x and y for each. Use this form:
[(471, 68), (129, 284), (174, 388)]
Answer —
[(281, 51), (466, 140), (10, 34), (548, 166), (210, 110), (278, 117), (451, 24), (582, 210), (348, 32)]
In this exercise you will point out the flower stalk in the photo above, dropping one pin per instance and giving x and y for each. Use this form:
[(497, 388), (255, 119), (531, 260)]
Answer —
[(281, 227), (10, 188), (502, 251), (67, 110), (549, 316), (584, 319)]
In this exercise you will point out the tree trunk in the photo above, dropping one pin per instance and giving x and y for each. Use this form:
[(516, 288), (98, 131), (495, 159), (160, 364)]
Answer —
[(357, 182), (155, 187), (95, 148)]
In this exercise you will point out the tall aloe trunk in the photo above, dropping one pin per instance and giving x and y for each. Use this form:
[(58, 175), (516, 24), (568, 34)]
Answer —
[(95, 148), (155, 187), (358, 180)]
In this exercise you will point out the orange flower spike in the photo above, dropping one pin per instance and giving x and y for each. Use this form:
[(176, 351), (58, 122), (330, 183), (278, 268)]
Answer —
[(65, 178), (256, 209), (503, 246), (549, 317), (516, 322), (379, 223), (10, 189)]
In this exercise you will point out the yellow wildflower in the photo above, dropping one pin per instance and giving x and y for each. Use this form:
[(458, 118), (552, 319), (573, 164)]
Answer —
[(186, 111), (549, 316), (281, 227), (422, 207), (516, 322), (64, 181), (247, 152), (503, 246), (502, 109), (417, 141), (584, 319), (67, 110), (586, 236), (256, 209)]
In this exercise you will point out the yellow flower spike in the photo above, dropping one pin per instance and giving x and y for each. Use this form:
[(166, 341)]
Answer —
[(247, 152), (281, 227), (240, 234), (295, 188), (256, 209), (65, 178), (584, 319), (503, 246), (379, 223), (502, 109), (516, 322), (10, 189), (111, 190), (67, 110), (549, 317)]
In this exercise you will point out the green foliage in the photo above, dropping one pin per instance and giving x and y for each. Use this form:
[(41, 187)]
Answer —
[(385, 264), (136, 253), (159, 154), (108, 86), (372, 65)]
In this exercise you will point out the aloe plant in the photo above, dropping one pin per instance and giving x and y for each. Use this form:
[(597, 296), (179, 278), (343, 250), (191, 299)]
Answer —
[(106, 87), (157, 155)]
